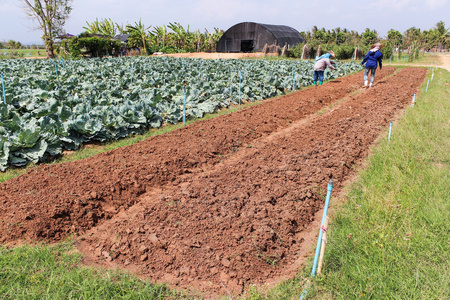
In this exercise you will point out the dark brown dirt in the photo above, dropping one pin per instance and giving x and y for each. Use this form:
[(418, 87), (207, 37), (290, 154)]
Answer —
[(219, 204)]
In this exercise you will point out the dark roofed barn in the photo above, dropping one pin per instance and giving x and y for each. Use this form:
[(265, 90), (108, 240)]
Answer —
[(251, 37)]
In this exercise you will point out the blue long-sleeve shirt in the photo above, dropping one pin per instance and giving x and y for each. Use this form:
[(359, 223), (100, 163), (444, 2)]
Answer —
[(372, 58)]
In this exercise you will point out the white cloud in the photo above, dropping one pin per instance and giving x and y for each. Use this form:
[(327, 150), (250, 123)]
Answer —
[(433, 4)]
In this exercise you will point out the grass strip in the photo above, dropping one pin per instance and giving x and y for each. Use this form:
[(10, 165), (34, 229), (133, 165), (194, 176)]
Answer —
[(54, 272)]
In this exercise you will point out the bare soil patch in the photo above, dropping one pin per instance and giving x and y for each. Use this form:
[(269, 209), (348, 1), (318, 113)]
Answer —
[(217, 55), (219, 204)]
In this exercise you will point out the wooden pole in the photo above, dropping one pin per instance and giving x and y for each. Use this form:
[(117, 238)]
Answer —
[(322, 248)]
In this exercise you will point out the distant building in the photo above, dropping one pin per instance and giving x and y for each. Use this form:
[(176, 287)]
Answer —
[(251, 37)]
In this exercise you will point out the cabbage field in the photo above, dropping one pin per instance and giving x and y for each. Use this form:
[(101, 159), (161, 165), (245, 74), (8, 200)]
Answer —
[(51, 105)]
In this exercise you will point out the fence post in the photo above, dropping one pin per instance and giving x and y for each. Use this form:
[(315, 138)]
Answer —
[(324, 228)]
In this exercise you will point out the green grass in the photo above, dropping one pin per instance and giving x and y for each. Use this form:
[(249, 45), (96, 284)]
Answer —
[(423, 60), (20, 53), (53, 272)]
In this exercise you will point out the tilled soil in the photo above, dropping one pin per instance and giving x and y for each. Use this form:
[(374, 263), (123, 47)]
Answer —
[(219, 204)]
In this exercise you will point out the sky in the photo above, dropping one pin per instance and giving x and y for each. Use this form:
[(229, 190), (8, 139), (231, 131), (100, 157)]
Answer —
[(357, 15)]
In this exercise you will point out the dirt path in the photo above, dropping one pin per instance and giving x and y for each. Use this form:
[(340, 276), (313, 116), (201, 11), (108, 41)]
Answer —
[(442, 60), (219, 204), (445, 58)]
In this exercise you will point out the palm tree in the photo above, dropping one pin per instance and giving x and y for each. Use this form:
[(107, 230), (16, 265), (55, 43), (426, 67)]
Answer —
[(443, 34), (138, 33)]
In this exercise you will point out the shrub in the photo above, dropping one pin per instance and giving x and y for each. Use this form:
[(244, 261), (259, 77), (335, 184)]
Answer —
[(76, 47)]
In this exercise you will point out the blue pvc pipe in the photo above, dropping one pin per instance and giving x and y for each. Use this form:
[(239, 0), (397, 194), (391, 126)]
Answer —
[(56, 68), (131, 76), (295, 71), (184, 107), (302, 296), (239, 89), (319, 240), (428, 82), (414, 100), (3, 88), (390, 130)]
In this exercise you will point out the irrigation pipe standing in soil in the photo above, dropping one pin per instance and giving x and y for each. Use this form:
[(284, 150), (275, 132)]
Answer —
[(319, 240), (3, 88), (184, 107), (390, 131)]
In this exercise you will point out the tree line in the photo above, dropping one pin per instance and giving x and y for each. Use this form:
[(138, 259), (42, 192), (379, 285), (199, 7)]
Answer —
[(169, 39), (52, 14), (350, 44)]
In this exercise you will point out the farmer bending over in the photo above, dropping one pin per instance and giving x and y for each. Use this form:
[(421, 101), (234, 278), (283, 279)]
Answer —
[(373, 57), (321, 64)]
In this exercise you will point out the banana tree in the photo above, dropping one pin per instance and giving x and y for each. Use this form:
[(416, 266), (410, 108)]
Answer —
[(198, 40), (139, 32), (180, 34), (160, 32), (214, 38), (104, 27)]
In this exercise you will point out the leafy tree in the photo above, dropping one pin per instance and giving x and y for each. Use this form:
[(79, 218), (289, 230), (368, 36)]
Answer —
[(395, 37), (51, 16), (12, 44), (88, 45), (370, 37)]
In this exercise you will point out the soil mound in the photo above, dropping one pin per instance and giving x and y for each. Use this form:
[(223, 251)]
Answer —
[(219, 204)]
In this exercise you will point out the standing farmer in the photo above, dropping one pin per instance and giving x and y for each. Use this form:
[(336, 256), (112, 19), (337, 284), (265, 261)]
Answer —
[(321, 64), (373, 58)]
